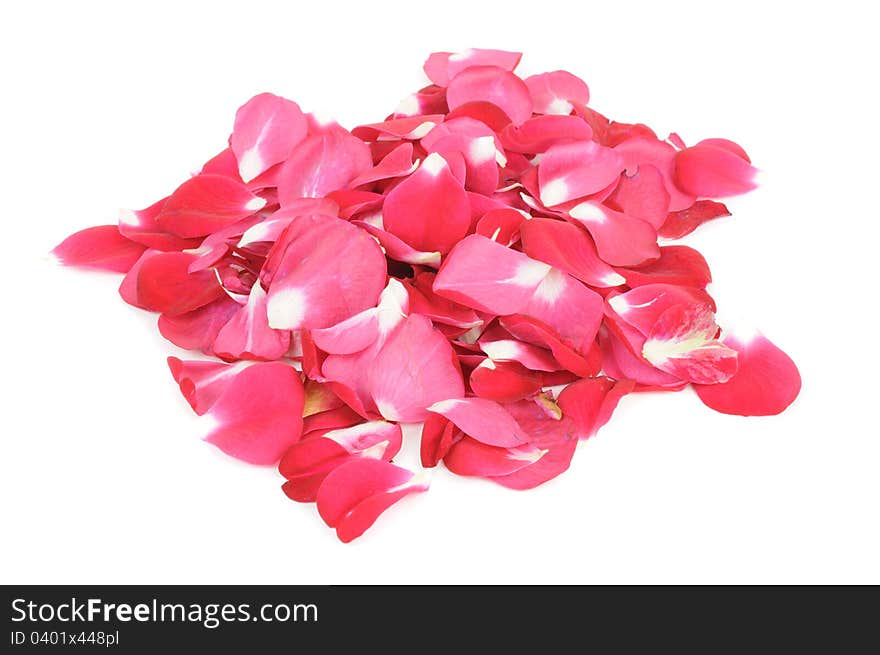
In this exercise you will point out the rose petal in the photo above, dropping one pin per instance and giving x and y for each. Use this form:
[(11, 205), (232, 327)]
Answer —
[(267, 129), (259, 414), (765, 383)]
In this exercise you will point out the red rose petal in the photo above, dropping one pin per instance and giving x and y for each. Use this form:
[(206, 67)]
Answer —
[(765, 383), (101, 247), (259, 414)]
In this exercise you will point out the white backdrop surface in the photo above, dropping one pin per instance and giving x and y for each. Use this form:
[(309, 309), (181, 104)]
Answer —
[(102, 476)]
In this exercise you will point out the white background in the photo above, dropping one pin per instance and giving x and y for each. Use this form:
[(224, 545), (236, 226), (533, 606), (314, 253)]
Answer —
[(102, 476)]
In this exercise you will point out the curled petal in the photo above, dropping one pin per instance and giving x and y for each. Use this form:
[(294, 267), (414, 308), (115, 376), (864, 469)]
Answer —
[(682, 342), (321, 454), (398, 249), (568, 248), (247, 335), (589, 402), (202, 382), (640, 150), (471, 457), (424, 301), (501, 225), (538, 134), (353, 495), (483, 420), (643, 196), (682, 223), (538, 333), (552, 463), (397, 163), (510, 350), (410, 128)]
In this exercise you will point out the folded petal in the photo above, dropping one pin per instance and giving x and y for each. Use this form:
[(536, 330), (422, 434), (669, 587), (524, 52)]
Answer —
[(397, 163), (429, 210), (530, 356), (539, 133), (589, 403), (353, 495), (640, 150), (267, 129), (398, 249), (471, 457), (207, 203), (259, 414), (569, 248), (484, 420), (642, 195), (329, 271), (765, 383), (202, 382), (304, 489), (555, 461), (369, 326), (682, 223), (410, 128), (321, 454), (438, 435), (247, 335), (501, 225), (101, 247), (538, 333)]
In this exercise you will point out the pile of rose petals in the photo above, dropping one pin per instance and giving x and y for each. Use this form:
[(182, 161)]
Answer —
[(485, 261)]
